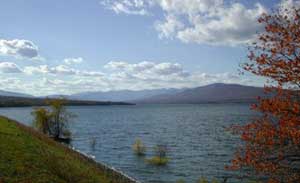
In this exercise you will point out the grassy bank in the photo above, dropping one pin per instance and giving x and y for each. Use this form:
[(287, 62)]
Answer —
[(28, 156)]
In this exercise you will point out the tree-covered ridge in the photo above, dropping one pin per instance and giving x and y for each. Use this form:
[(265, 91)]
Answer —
[(8, 101)]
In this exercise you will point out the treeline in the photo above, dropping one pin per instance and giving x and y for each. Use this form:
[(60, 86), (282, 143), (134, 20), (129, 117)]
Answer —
[(9, 101)]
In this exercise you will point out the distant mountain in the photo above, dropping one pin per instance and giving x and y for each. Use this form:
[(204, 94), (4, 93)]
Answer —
[(14, 94), (214, 93), (122, 95)]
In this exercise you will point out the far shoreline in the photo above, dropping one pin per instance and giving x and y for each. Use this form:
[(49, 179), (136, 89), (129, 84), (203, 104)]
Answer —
[(10, 101)]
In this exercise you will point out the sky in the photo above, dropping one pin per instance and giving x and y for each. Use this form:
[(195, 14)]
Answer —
[(65, 47)]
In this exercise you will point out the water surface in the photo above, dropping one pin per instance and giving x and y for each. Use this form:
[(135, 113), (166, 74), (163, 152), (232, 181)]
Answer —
[(197, 142)]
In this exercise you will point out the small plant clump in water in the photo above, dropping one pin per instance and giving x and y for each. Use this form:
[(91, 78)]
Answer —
[(204, 180), (160, 158), (180, 181), (93, 143), (139, 148)]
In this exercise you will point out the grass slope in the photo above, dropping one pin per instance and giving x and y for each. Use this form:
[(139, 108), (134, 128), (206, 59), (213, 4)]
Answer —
[(27, 156)]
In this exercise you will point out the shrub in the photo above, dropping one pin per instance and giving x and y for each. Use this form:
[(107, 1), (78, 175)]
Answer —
[(60, 118), (42, 119), (53, 122)]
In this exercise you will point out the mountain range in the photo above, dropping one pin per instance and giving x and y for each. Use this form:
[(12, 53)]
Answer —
[(14, 94), (213, 93), (123, 95)]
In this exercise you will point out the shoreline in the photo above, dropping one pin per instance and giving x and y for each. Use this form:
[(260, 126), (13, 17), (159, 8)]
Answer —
[(107, 169), (9, 101), (115, 175)]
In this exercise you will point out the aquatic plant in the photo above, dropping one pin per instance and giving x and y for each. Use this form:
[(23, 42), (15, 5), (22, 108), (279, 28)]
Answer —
[(139, 148), (180, 181), (160, 158), (93, 142)]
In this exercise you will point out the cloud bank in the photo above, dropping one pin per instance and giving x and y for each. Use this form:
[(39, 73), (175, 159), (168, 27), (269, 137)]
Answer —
[(115, 75), (9, 67)]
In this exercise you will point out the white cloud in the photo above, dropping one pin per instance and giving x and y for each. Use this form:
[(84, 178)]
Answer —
[(71, 61), (19, 48), (234, 25), (190, 7), (63, 69), (169, 27), (147, 69), (59, 70), (289, 4), (213, 22), (286, 5), (125, 66), (9, 67), (11, 84), (167, 68), (91, 73), (142, 66), (131, 7), (44, 69), (116, 65)]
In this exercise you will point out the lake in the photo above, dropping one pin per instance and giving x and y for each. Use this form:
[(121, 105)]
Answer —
[(198, 144)]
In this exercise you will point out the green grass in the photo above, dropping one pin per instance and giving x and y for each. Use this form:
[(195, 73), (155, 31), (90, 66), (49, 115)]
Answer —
[(28, 156)]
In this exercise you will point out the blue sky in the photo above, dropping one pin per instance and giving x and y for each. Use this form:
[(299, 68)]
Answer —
[(65, 47)]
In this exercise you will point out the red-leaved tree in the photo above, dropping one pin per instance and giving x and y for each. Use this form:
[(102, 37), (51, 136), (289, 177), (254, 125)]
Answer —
[(271, 142)]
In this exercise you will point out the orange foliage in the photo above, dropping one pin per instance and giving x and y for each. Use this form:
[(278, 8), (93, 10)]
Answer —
[(271, 145)]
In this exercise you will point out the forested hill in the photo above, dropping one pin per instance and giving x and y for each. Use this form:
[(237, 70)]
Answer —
[(10, 101)]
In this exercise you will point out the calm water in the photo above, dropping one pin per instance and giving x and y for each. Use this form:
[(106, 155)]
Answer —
[(194, 134)]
